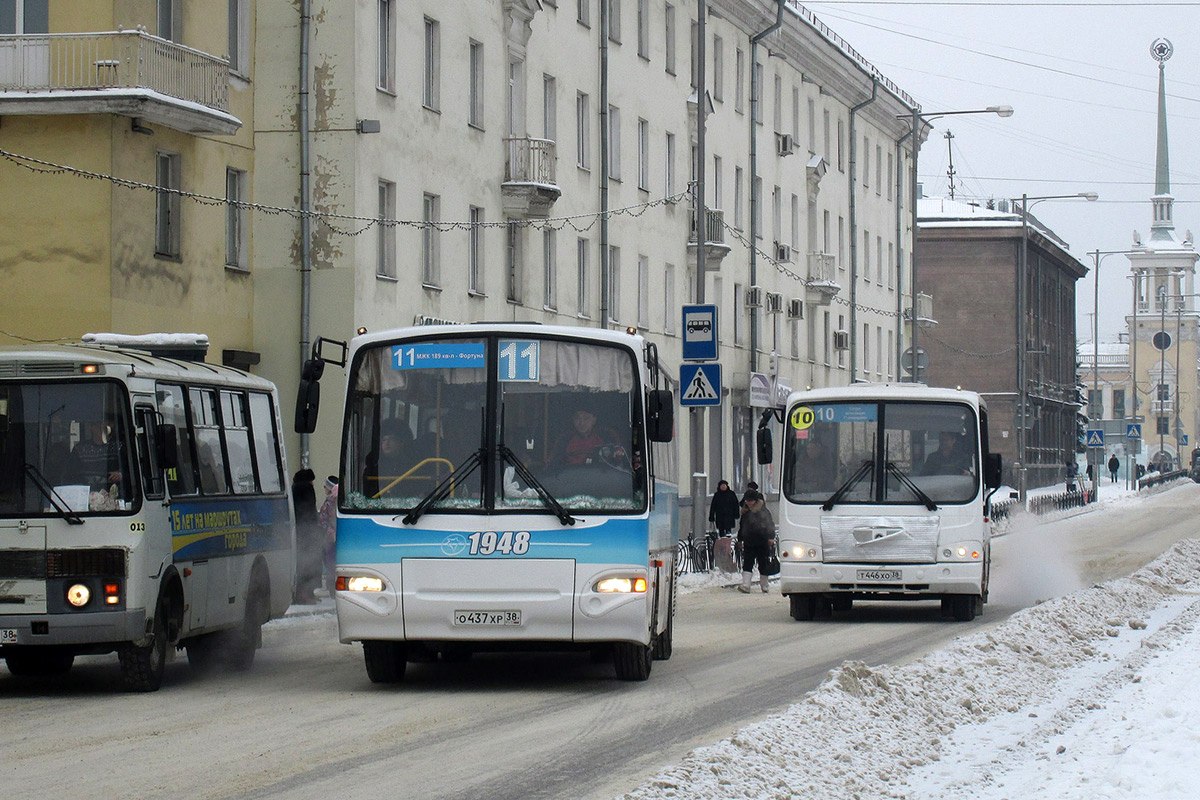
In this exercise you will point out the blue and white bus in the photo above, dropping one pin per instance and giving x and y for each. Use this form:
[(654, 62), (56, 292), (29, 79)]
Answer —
[(885, 496), (503, 485), (142, 505)]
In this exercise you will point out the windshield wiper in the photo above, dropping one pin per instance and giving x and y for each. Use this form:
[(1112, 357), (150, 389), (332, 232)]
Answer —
[(845, 488), (438, 492), (902, 476), (531, 480), (43, 486)]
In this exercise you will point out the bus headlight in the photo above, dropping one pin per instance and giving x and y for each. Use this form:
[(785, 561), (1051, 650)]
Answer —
[(359, 583), (962, 551), (78, 595), (620, 584), (800, 551)]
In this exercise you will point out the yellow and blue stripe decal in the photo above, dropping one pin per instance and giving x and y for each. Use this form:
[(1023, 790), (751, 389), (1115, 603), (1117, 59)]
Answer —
[(362, 540), (228, 527)]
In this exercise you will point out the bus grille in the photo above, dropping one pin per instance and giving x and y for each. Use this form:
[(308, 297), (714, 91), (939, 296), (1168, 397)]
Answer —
[(42, 564), (39, 369), (879, 540)]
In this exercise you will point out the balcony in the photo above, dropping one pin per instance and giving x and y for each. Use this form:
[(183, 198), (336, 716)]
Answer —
[(129, 73), (529, 189), (821, 286), (924, 311), (715, 248)]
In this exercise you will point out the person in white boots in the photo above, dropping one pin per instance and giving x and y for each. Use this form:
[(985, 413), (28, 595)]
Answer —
[(757, 535)]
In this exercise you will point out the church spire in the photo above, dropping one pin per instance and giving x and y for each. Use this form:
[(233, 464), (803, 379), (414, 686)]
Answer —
[(1163, 227)]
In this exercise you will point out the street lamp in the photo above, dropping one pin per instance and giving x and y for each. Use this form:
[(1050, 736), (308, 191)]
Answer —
[(1022, 388), (1098, 257), (917, 116)]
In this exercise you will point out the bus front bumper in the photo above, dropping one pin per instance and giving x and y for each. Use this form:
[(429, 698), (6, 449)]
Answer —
[(880, 579), (72, 629)]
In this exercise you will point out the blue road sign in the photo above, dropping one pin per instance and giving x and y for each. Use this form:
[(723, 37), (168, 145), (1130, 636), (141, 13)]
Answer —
[(699, 384), (699, 332), (1095, 437), (1183, 440), (1133, 430)]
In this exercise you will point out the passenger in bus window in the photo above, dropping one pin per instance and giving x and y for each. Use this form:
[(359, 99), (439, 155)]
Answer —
[(99, 455), (393, 458), (950, 457)]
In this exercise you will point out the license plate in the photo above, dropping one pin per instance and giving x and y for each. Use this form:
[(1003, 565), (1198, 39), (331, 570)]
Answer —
[(486, 618), (879, 574), (8, 635)]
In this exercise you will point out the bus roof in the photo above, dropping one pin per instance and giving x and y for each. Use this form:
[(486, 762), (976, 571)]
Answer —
[(67, 360), (886, 391), (516, 328)]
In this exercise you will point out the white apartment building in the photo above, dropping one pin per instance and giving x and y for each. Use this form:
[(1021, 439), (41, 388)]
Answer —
[(552, 142)]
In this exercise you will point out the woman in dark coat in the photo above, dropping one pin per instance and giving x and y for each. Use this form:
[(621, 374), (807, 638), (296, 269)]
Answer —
[(308, 537), (723, 510), (757, 537)]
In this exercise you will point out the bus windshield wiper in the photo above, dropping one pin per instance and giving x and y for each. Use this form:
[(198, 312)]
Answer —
[(43, 486), (438, 492), (902, 476), (531, 480), (845, 488)]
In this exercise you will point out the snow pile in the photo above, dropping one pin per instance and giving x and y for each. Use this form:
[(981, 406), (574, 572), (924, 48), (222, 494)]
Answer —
[(868, 732)]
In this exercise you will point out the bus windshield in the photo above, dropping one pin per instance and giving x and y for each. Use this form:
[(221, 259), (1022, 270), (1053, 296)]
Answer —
[(881, 452), (499, 424), (64, 447)]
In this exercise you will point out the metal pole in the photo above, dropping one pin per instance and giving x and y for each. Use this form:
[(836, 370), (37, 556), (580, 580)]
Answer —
[(1022, 413), (1175, 407), (1131, 473), (1096, 369), (696, 416), (1162, 370), (912, 259)]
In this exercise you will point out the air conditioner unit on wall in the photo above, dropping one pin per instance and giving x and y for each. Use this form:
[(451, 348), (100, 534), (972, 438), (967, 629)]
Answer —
[(783, 253), (785, 143), (795, 308), (774, 303), (754, 297), (841, 340)]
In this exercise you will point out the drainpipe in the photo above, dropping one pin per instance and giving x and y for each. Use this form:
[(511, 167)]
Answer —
[(900, 252), (305, 205), (605, 267), (755, 91), (854, 228)]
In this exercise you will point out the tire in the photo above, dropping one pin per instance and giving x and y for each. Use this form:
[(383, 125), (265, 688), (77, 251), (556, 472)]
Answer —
[(842, 605), (963, 606), (39, 664), (245, 641), (142, 666), (385, 661), (803, 607), (632, 661), (203, 652), (663, 644)]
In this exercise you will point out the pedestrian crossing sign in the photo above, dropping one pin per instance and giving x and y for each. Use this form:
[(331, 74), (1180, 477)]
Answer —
[(700, 385), (1133, 430), (1095, 437)]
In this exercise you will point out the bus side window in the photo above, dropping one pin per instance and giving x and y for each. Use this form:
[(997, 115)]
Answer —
[(209, 457), (146, 421), (235, 429), (181, 479), (266, 443)]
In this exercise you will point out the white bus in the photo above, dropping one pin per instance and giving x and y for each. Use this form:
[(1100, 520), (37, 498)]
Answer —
[(503, 486), (885, 496), (142, 504)]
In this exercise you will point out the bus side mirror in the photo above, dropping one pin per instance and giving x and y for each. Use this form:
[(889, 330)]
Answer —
[(993, 471), (766, 446), (660, 410), (308, 396), (168, 447)]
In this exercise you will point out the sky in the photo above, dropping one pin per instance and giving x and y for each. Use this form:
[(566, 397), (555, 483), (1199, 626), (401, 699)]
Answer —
[(1087, 695), (1083, 85)]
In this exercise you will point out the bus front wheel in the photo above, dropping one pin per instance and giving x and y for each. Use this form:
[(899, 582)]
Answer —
[(632, 661), (802, 606), (142, 666), (385, 661), (962, 607)]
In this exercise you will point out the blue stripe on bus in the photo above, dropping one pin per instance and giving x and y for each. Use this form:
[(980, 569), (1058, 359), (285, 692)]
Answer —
[(226, 527), (363, 540)]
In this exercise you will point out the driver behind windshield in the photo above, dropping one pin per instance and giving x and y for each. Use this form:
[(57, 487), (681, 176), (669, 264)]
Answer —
[(581, 443)]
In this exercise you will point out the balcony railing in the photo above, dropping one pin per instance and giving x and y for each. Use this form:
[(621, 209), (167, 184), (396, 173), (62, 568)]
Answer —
[(530, 161), (73, 62), (714, 226), (821, 267)]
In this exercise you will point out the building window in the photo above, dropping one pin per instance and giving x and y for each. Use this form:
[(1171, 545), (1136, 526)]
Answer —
[(756, 207), (614, 283), (739, 309), (756, 91), (718, 187), (643, 298), (878, 169), (891, 262), (238, 41), (1163, 426), (614, 20), (795, 113), (549, 108), (777, 97), (1095, 404), (1118, 401), (549, 268), (514, 263), (581, 276), (825, 132), (614, 143), (167, 206), (718, 76), (841, 133), (739, 82), (583, 141), (475, 98), (841, 243), (432, 74), (385, 257), (643, 28), (170, 19), (670, 165), (643, 155), (796, 222), (235, 219), (891, 166), (879, 265), (866, 160), (475, 251), (386, 72), (737, 198), (776, 215), (429, 240), (669, 32), (583, 12)]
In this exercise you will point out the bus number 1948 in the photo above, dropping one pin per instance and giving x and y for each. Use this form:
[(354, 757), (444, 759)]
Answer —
[(485, 543)]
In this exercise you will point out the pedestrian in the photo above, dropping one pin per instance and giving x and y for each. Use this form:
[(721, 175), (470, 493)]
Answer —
[(308, 537), (1072, 475), (327, 519), (722, 513), (1114, 464), (757, 536), (1091, 474), (751, 488)]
